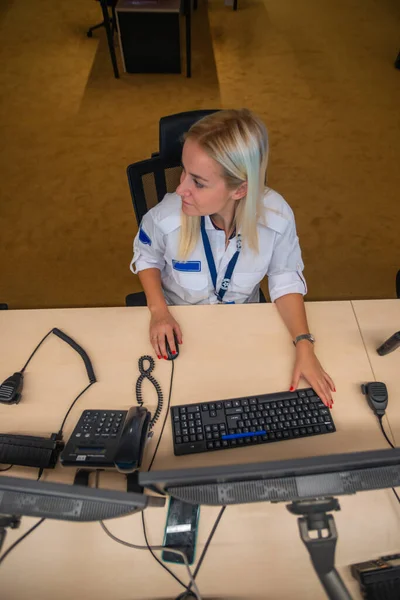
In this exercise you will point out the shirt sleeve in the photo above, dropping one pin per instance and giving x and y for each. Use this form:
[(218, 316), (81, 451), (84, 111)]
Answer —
[(148, 246), (285, 271)]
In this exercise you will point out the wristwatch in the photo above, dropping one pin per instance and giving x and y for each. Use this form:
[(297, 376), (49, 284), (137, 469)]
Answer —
[(304, 336)]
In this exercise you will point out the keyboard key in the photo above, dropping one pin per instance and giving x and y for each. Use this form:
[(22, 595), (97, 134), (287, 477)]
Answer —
[(185, 431), (217, 444), (245, 402), (178, 440), (185, 439), (208, 436), (204, 407), (247, 440), (233, 443), (191, 417), (253, 401), (192, 438), (234, 411), (193, 408), (192, 431), (228, 404), (219, 405), (198, 423), (207, 428), (225, 444), (236, 403), (213, 413), (317, 429), (296, 432), (199, 430), (210, 445), (200, 438), (212, 406), (330, 427), (216, 436), (303, 431), (183, 409), (215, 427)]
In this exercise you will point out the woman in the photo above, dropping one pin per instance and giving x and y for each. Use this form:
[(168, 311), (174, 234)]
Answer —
[(220, 233)]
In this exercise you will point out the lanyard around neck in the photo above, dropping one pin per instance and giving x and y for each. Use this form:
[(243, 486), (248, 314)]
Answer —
[(211, 263)]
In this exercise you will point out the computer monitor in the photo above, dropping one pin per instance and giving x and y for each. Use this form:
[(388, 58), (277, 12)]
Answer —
[(309, 484), (26, 497), (279, 481)]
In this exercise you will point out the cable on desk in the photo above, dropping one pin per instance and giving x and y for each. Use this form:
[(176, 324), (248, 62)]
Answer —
[(7, 552), (392, 446), (137, 547), (6, 469), (152, 548), (35, 350), (60, 431), (383, 431), (203, 554), (166, 415)]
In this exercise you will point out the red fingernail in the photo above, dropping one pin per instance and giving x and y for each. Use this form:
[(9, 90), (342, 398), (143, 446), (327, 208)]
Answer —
[(291, 388), (173, 352), (166, 357), (334, 389), (158, 356)]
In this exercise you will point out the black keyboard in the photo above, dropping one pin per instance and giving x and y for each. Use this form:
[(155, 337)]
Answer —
[(247, 421)]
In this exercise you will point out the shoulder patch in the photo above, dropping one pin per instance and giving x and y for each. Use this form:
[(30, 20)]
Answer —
[(144, 238)]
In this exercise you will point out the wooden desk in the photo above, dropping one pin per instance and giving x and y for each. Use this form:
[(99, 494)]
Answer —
[(228, 351), (378, 320)]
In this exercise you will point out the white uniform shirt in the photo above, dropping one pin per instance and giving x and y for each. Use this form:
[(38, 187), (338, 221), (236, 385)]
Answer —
[(157, 242)]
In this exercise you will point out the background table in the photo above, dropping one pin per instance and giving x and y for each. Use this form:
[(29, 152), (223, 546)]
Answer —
[(228, 351)]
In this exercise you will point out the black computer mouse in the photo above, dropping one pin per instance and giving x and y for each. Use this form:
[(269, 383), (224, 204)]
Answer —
[(171, 356)]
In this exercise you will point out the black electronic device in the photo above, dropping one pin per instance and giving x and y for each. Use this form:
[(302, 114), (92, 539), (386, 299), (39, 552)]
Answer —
[(379, 578), (108, 439), (181, 531), (308, 483), (11, 388), (377, 396), (250, 420), (30, 451), (391, 344), (26, 497), (170, 355)]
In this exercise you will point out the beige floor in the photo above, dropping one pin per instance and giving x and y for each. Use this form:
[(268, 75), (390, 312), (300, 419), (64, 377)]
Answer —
[(321, 75)]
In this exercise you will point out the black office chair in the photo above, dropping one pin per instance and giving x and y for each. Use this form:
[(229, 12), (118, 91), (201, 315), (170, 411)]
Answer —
[(3, 306), (113, 20), (149, 180)]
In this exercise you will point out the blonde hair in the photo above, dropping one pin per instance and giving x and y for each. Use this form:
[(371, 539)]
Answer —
[(238, 141)]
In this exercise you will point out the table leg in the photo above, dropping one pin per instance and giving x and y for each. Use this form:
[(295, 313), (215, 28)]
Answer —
[(110, 39)]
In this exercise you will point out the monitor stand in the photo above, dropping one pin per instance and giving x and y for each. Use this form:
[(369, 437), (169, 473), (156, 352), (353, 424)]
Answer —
[(321, 549), (12, 522)]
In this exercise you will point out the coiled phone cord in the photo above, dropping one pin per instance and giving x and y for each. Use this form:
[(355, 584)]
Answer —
[(145, 373)]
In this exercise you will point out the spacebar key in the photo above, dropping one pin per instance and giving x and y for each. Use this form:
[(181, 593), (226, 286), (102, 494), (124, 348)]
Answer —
[(189, 448)]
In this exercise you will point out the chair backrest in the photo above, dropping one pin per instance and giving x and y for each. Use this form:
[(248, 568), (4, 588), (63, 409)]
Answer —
[(149, 180)]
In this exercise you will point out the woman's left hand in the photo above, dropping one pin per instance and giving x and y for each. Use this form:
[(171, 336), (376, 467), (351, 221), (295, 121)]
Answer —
[(308, 366)]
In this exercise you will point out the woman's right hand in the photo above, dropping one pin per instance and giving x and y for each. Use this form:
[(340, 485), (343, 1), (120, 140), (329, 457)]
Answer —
[(162, 324)]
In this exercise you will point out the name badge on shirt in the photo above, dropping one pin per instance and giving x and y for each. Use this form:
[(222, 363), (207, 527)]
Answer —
[(189, 266)]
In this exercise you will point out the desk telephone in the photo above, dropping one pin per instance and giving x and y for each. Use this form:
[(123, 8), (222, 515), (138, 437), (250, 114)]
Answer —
[(108, 438), (114, 438)]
